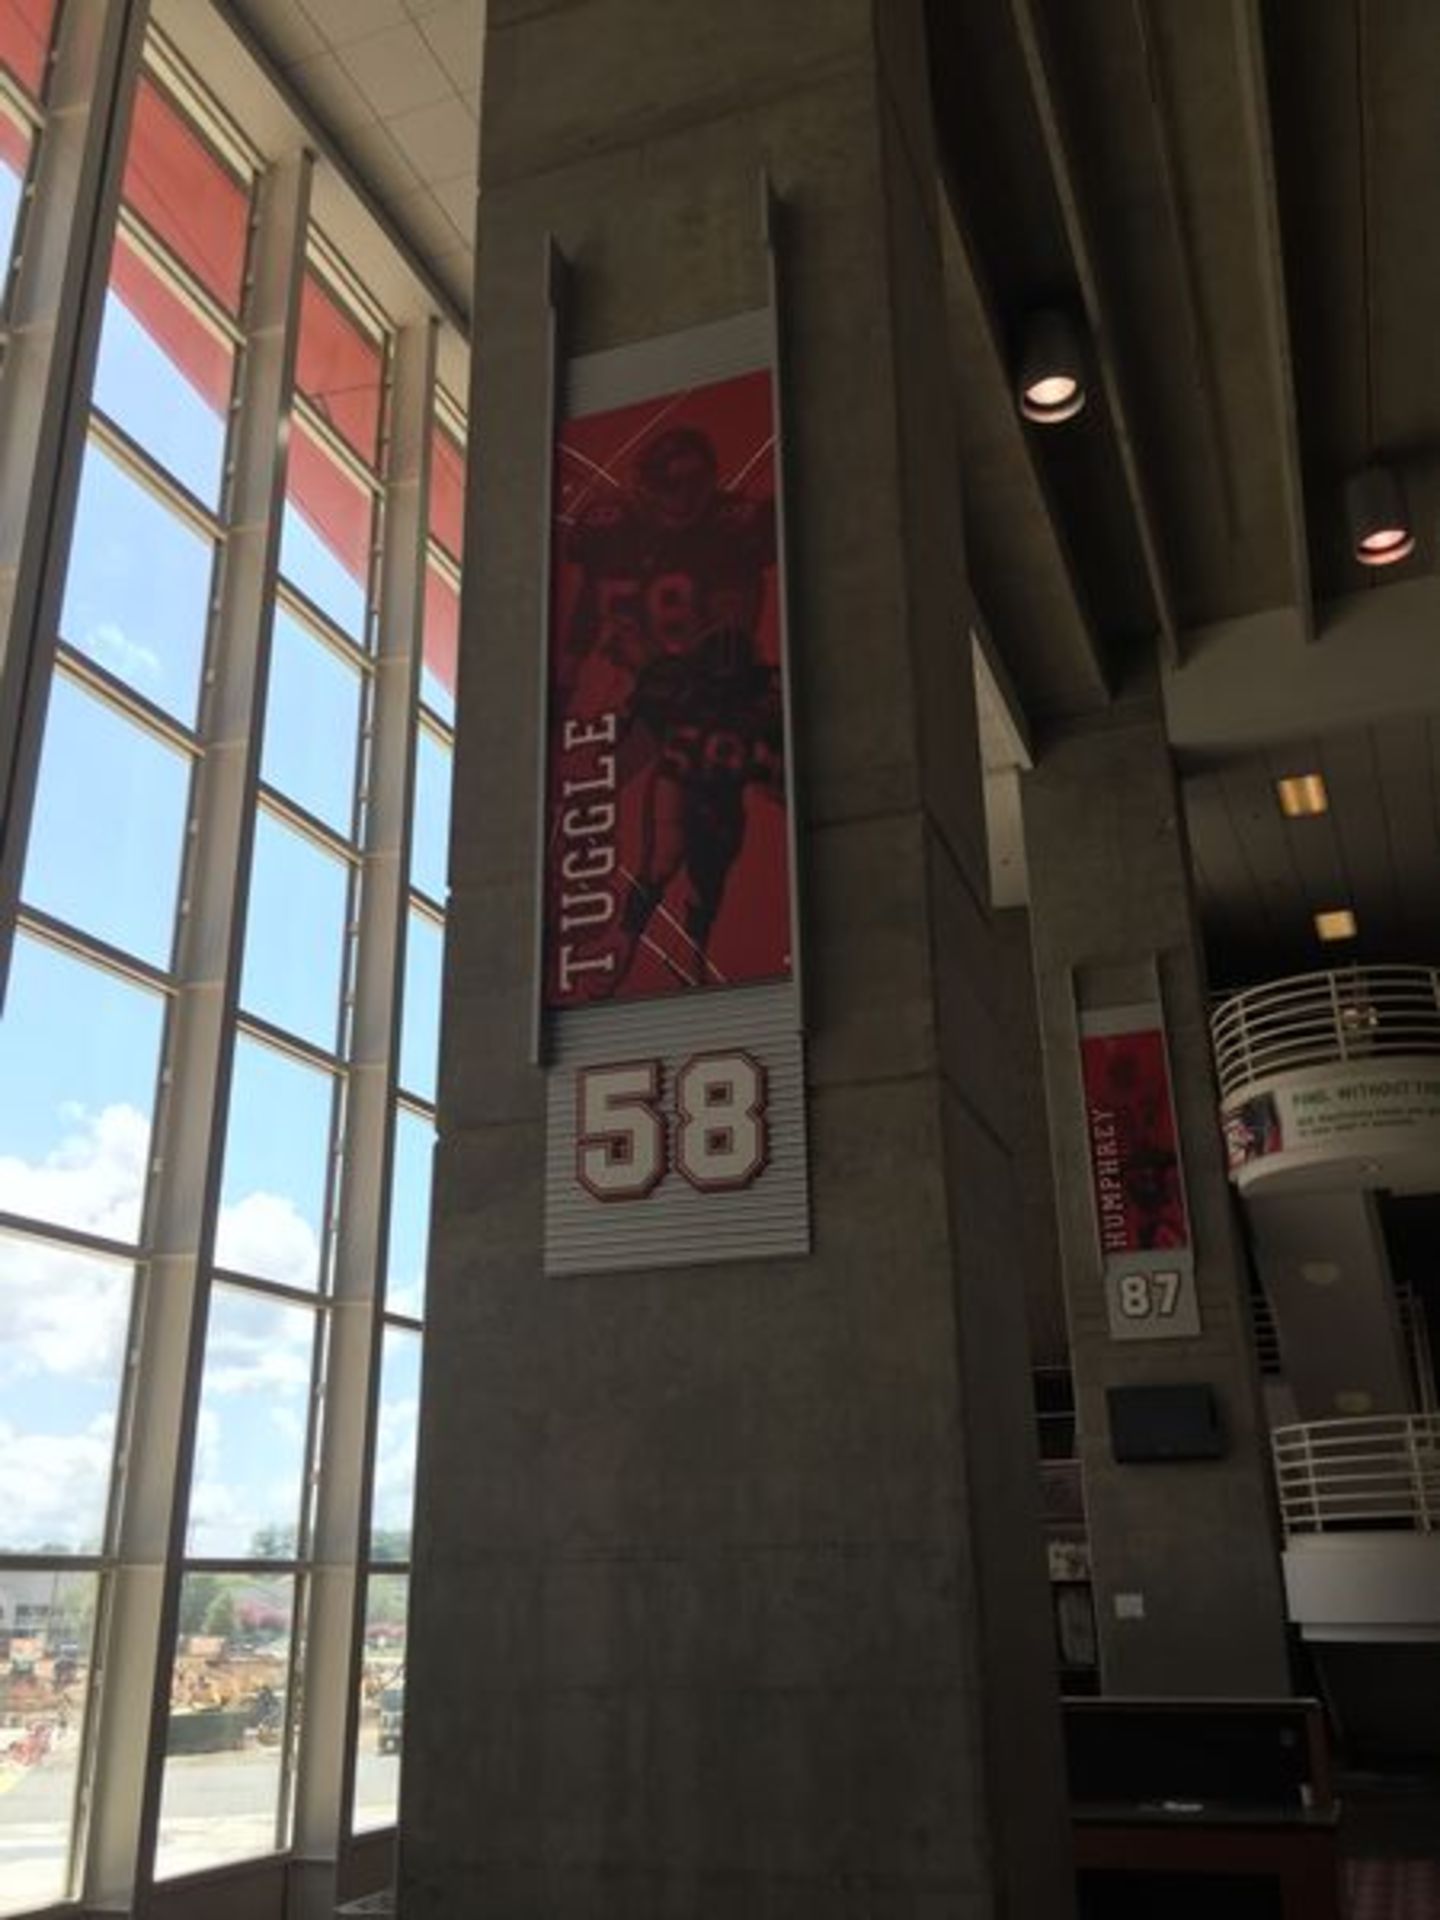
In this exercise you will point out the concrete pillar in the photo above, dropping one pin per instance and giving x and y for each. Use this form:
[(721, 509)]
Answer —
[(1112, 912), (728, 1594), (1325, 1268), (1038, 1239)]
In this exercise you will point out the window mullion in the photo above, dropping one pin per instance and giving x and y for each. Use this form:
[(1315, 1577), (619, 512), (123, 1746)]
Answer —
[(45, 376), (322, 1808), (190, 1124)]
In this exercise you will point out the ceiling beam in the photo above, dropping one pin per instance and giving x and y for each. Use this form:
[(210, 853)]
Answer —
[(1260, 137), (1033, 45)]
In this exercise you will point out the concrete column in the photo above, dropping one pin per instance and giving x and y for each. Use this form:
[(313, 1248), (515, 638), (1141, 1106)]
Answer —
[(1325, 1268), (1111, 910), (728, 1596), (1039, 1240)]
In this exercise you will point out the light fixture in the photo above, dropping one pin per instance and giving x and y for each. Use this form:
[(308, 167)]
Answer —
[(1302, 795), (1380, 529), (1051, 380), (1336, 923)]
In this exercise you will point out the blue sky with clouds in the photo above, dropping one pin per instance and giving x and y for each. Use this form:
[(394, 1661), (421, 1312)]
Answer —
[(80, 1047)]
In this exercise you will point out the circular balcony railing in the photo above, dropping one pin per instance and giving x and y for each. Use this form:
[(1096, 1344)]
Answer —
[(1316, 1019), (1380, 1471)]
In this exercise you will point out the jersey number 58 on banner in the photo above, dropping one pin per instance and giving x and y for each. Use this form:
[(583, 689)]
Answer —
[(715, 1134)]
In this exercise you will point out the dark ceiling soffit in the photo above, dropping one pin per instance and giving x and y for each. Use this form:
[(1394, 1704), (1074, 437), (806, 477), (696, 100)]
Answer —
[(1255, 94), (1031, 34), (1254, 682)]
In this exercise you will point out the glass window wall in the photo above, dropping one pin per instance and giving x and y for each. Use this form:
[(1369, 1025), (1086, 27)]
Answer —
[(178, 1141)]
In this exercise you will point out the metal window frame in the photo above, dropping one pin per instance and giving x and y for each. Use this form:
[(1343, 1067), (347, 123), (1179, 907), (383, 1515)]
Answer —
[(181, 1233), (29, 119), (325, 1778), (428, 722), (56, 297)]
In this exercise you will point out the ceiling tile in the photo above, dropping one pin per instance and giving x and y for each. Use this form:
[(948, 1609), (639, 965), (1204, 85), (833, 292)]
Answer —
[(380, 161), (457, 197), (287, 30), (456, 274), (396, 70), (326, 85), (455, 31), (421, 214), (342, 20), (389, 80), (440, 140)]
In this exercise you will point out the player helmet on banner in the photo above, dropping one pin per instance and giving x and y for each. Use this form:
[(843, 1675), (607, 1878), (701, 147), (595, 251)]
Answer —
[(676, 475)]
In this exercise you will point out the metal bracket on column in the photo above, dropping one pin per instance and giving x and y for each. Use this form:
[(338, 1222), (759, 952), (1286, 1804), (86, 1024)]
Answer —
[(772, 230), (556, 285)]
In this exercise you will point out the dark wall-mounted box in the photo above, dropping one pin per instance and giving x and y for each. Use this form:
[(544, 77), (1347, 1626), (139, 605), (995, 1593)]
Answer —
[(1164, 1423)]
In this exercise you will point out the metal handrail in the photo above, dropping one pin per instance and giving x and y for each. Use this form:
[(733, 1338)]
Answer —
[(1317, 1019), (1367, 1471)]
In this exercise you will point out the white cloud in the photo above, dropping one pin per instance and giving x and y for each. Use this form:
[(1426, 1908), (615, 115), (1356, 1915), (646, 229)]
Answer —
[(93, 1180), (405, 1296), (264, 1234), (212, 1502), (287, 1423), (63, 1312), (64, 1316), (53, 1486), (114, 648), (245, 1363), (395, 1463)]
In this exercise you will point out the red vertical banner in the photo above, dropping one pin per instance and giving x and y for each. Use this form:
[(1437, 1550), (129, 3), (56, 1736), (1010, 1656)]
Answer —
[(1134, 1150), (666, 866)]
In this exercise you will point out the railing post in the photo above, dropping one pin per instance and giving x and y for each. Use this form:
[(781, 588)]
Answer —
[(1316, 1514), (1418, 1476), (1333, 985), (1252, 1071)]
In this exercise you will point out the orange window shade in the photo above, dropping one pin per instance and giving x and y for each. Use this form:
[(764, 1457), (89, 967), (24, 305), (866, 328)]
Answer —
[(447, 492), (442, 628), (25, 30), (331, 502), (186, 196), (14, 146), (340, 370), (205, 361)]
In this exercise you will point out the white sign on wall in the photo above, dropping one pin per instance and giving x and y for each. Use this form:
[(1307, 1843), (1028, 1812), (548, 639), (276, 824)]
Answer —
[(1152, 1297), (676, 1134), (1377, 1122)]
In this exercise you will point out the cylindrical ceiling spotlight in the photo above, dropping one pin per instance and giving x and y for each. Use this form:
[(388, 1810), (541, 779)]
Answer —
[(1380, 529), (1050, 385)]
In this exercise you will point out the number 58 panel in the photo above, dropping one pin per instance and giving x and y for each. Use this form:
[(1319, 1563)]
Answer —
[(676, 1135)]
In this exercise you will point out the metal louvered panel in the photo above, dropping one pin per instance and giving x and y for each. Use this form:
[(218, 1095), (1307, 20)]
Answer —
[(715, 351), (676, 1224)]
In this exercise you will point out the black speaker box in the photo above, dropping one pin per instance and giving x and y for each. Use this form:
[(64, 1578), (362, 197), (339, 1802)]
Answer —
[(1164, 1423)]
